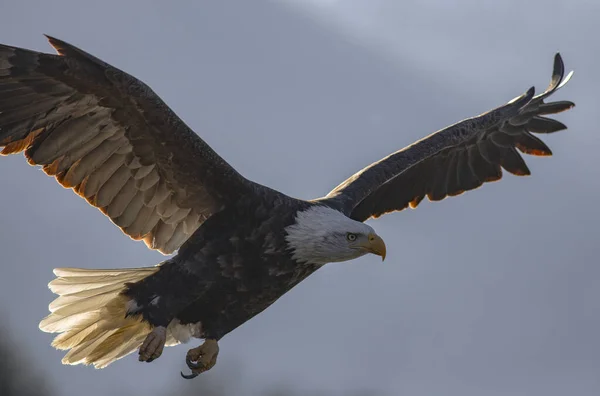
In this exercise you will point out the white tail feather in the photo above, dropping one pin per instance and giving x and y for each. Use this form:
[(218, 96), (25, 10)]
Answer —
[(91, 315)]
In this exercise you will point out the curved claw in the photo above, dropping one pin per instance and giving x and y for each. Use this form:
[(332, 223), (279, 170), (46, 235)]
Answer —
[(189, 376), (193, 365)]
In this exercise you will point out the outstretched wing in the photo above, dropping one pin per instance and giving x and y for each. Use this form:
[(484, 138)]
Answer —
[(108, 136), (456, 159)]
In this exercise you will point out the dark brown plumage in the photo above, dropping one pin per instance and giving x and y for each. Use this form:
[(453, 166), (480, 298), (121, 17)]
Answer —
[(458, 158)]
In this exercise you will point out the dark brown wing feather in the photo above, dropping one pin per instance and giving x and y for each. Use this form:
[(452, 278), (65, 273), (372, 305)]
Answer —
[(109, 137), (459, 158)]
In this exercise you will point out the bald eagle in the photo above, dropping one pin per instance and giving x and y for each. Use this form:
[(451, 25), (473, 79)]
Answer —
[(240, 245)]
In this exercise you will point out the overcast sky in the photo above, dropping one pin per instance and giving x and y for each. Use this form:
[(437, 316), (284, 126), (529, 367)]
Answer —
[(494, 292)]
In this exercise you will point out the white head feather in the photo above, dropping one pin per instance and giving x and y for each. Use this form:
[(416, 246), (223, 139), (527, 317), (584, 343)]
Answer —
[(320, 236)]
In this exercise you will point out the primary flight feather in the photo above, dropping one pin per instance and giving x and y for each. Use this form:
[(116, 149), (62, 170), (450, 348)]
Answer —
[(240, 245)]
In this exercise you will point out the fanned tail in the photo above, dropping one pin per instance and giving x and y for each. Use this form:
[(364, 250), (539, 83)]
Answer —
[(90, 315)]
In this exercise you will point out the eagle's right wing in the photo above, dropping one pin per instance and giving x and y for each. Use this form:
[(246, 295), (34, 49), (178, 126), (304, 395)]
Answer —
[(108, 136)]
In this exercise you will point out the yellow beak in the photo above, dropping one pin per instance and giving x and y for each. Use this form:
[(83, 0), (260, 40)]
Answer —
[(375, 245)]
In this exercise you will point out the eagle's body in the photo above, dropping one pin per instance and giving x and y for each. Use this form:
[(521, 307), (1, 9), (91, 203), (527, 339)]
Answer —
[(236, 265), (240, 245)]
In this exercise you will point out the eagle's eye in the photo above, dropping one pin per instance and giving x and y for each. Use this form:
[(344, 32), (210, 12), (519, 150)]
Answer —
[(351, 237)]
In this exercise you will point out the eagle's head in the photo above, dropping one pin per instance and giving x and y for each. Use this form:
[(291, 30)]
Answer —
[(322, 235)]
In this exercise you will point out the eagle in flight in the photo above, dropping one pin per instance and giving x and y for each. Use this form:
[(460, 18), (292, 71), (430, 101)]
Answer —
[(240, 245)]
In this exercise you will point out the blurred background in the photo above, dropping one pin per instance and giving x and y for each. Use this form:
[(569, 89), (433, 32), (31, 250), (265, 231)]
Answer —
[(494, 292)]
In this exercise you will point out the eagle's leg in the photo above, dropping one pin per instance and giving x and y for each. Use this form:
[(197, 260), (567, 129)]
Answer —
[(153, 345), (202, 359)]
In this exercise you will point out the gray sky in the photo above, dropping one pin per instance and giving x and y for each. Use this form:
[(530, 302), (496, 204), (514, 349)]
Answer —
[(495, 292)]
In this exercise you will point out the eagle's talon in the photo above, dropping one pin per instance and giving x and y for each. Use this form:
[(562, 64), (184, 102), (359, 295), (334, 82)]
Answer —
[(153, 345), (189, 376), (202, 358)]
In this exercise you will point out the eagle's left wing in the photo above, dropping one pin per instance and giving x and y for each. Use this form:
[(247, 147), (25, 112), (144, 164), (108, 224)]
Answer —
[(456, 159)]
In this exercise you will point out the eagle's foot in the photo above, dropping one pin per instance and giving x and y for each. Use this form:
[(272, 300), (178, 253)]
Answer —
[(202, 359), (153, 345)]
